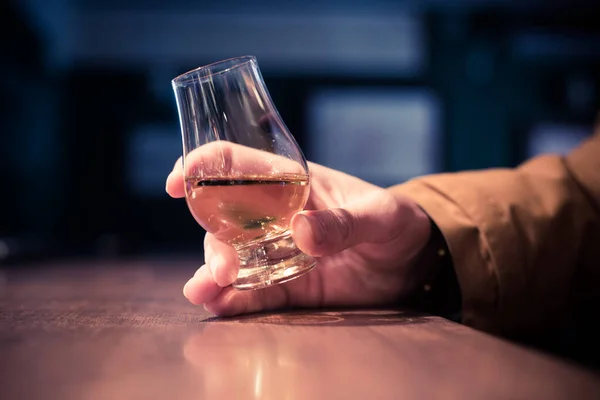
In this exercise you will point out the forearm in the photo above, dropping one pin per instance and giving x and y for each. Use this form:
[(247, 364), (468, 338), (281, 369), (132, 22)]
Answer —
[(515, 237)]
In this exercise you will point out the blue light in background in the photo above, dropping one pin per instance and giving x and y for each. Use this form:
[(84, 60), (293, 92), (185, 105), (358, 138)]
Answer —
[(384, 136), (151, 153)]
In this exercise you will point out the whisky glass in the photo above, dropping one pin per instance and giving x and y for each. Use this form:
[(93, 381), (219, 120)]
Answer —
[(245, 175)]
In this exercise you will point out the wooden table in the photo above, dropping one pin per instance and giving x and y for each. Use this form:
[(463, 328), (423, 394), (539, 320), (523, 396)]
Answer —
[(124, 331)]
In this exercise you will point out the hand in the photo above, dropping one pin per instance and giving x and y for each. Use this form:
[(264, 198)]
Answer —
[(366, 240)]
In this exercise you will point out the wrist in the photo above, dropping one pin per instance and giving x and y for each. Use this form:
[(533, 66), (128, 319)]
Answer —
[(437, 289), (431, 257)]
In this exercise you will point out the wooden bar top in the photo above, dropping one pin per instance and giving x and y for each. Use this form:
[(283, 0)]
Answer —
[(123, 330)]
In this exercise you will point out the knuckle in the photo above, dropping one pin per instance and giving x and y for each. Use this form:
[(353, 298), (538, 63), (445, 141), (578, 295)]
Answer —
[(344, 223)]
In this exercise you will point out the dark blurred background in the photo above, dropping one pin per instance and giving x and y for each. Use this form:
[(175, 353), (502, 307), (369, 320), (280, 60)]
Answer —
[(385, 90)]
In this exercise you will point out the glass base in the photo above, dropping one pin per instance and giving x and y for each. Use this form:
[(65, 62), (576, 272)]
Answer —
[(271, 262)]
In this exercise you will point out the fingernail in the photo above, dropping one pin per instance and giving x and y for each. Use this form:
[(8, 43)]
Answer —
[(314, 227), (213, 265), (231, 276), (225, 276), (167, 183), (185, 288)]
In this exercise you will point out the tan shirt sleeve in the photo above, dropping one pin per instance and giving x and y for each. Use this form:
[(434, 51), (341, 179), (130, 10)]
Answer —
[(525, 242)]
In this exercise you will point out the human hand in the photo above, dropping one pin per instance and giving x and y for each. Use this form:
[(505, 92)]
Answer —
[(366, 240)]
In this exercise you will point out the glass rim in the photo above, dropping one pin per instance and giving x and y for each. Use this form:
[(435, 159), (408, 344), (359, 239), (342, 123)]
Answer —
[(212, 70)]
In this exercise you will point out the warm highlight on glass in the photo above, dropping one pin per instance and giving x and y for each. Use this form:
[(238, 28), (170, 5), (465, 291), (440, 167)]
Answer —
[(245, 176)]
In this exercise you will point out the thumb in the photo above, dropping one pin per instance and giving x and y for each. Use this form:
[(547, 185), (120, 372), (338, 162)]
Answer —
[(376, 219)]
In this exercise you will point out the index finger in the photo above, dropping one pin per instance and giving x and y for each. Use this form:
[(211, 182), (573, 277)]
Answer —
[(174, 185), (223, 158)]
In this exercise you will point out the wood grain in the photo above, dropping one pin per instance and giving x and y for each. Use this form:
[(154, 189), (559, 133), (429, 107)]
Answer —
[(122, 330)]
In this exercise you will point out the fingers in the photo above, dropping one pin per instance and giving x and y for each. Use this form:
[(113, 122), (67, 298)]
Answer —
[(219, 271), (235, 302), (227, 301), (211, 285), (175, 185), (202, 287), (222, 158), (222, 260), (203, 290), (376, 218)]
